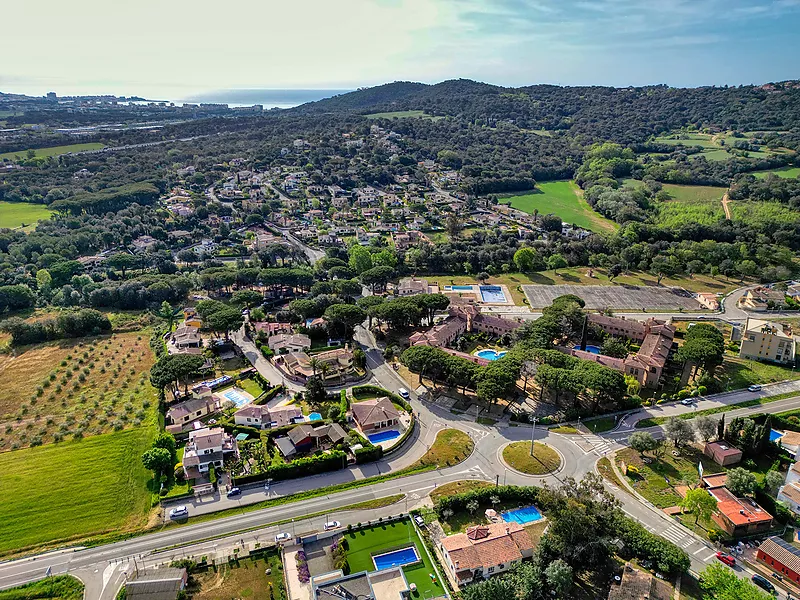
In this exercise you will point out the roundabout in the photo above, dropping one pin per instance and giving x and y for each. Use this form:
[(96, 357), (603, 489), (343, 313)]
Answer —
[(544, 460)]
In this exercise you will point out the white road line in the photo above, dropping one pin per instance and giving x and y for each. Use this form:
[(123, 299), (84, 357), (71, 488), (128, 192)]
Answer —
[(709, 557), (698, 551)]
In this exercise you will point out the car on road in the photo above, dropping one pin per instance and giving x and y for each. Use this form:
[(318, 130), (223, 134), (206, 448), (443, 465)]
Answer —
[(179, 512), (403, 393), (754, 388), (234, 492), (762, 582), (686, 401), (726, 559), (283, 537), (332, 525)]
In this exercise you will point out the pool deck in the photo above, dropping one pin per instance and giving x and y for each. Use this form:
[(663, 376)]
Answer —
[(475, 291)]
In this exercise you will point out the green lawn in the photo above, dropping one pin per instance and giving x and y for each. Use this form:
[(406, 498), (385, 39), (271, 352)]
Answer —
[(15, 214), (392, 536), (53, 151), (60, 587), (786, 172), (601, 424), (251, 387), (402, 114), (74, 489), (544, 460), (737, 373), (561, 198)]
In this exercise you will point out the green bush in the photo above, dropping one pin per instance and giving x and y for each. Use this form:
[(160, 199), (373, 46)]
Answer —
[(642, 544), (364, 390)]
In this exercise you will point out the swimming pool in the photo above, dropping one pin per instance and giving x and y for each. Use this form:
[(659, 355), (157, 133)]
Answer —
[(315, 416), (492, 293), (589, 348), (775, 435), (236, 397), (383, 436), (461, 288), (397, 558), (490, 354), (523, 516)]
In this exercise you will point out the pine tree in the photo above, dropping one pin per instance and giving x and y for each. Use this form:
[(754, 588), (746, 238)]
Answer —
[(721, 427)]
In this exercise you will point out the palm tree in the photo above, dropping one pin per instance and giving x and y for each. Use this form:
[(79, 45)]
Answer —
[(169, 314), (324, 368), (315, 365)]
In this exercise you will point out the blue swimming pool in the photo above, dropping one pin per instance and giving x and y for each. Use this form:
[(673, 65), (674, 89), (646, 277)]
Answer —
[(314, 416), (398, 558), (492, 293), (589, 348), (775, 435), (383, 436), (490, 354), (236, 397), (523, 516), (461, 288)]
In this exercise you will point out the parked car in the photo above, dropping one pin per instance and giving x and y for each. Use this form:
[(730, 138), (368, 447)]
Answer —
[(762, 582), (332, 525), (686, 401), (726, 558), (754, 388), (234, 492), (419, 520), (283, 537), (403, 393), (178, 512)]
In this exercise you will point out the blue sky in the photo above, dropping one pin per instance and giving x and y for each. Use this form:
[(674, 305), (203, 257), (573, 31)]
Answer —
[(179, 48)]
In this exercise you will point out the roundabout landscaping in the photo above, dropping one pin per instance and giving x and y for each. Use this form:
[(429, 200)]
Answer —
[(517, 456)]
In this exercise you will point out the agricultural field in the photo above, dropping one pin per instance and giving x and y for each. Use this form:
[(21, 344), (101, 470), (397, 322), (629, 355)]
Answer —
[(694, 193), (761, 212), (785, 172), (53, 151), (76, 388), (563, 199), (699, 204), (704, 140), (25, 214), (75, 489), (403, 114), (714, 146)]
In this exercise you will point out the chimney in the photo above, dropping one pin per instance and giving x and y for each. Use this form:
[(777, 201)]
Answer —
[(508, 530)]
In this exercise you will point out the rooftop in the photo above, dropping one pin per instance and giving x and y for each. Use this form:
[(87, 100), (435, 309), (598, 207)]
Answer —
[(782, 551), (487, 545), (739, 511)]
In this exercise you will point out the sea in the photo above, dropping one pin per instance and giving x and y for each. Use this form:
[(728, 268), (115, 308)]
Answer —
[(268, 98)]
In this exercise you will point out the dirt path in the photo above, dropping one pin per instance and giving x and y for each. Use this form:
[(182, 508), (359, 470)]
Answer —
[(725, 205)]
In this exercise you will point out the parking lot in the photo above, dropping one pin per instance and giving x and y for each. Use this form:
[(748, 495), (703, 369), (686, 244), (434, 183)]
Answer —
[(628, 297)]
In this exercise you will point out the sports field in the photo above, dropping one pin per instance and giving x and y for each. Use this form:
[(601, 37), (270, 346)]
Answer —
[(563, 199), (74, 489), (16, 214), (53, 151)]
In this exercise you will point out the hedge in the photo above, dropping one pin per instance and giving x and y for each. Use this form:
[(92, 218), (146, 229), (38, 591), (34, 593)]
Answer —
[(642, 544), (782, 514), (310, 465), (368, 454), (379, 391), (269, 394), (506, 493)]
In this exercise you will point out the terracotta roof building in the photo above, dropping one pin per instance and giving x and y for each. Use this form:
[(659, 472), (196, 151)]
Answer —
[(485, 550), (372, 415), (739, 516), (263, 417), (722, 453)]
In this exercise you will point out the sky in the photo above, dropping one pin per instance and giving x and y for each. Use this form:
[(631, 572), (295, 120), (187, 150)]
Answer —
[(180, 49)]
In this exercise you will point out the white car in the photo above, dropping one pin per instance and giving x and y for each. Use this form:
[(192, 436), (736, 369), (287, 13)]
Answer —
[(686, 401), (403, 393), (178, 512), (283, 537), (754, 388), (332, 525)]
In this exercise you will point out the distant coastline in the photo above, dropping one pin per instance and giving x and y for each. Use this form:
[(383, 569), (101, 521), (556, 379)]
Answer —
[(268, 98)]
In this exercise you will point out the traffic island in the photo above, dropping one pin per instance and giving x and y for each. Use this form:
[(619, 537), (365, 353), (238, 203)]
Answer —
[(542, 461)]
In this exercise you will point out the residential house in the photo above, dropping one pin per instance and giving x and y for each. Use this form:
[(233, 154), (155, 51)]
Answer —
[(408, 239), (271, 329), (763, 340), (144, 243), (207, 447), (781, 557), (373, 415), (158, 584), (739, 516), (289, 342), (305, 438), (763, 298), (199, 405), (386, 584), (339, 363), (484, 550), (410, 286), (707, 300), (639, 585), (463, 318), (790, 491), (263, 417), (722, 453)]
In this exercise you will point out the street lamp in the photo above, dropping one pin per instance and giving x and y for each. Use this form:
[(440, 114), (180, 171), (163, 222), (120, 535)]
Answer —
[(533, 429)]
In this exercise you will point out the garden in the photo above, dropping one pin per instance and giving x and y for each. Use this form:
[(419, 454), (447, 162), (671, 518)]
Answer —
[(253, 577)]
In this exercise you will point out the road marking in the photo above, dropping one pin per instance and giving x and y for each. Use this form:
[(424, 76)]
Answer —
[(698, 551), (709, 557)]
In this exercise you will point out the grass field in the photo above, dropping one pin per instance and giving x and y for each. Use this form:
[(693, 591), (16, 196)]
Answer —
[(450, 448), (53, 151), (713, 150), (363, 544), (691, 203), (241, 579), (17, 214), (786, 172), (737, 373), (687, 139), (90, 386), (694, 193), (457, 487), (544, 460), (74, 489), (561, 198), (403, 114), (762, 212), (60, 587)]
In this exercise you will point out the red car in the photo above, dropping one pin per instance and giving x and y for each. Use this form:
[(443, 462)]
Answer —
[(726, 558)]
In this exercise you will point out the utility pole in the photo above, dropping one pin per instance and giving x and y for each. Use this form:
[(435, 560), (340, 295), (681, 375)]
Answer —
[(533, 429)]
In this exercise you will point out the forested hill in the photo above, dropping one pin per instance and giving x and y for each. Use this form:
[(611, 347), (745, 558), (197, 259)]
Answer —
[(627, 115)]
